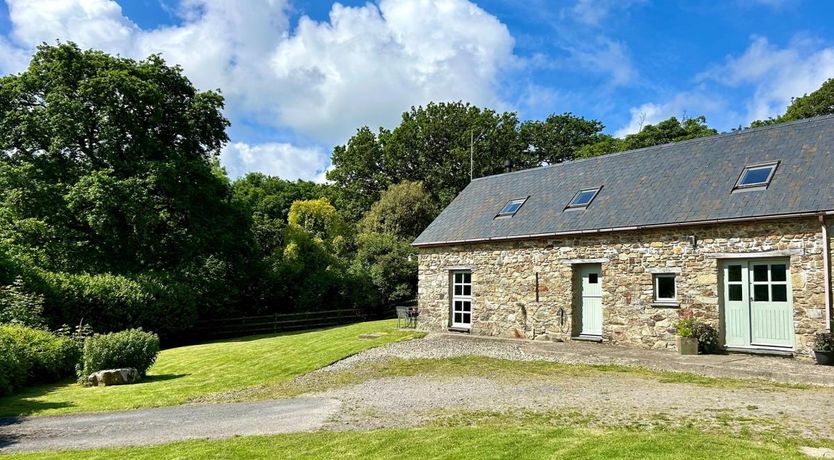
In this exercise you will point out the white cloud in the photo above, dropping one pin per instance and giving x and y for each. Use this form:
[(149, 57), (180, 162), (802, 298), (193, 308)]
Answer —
[(275, 159), (685, 104), (367, 64), (608, 57), (594, 12), (320, 80), (775, 74)]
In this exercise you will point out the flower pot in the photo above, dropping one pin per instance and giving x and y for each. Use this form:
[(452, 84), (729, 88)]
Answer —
[(825, 358), (687, 345)]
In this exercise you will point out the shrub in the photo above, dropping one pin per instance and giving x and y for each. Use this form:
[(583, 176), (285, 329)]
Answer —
[(34, 356), (823, 341), (130, 348), (707, 336), (684, 327), (19, 306)]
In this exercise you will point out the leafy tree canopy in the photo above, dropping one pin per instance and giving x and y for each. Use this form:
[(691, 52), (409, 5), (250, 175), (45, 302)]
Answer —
[(106, 163), (404, 211), (667, 131)]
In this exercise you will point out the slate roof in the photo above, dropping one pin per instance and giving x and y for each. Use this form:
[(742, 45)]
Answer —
[(682, 183)]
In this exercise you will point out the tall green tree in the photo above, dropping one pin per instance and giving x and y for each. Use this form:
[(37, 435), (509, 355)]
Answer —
[(404, 211), (109, 160), (109, 171), (559, 137)]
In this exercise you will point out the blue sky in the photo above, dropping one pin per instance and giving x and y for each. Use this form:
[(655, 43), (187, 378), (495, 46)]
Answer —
[(300, 76)]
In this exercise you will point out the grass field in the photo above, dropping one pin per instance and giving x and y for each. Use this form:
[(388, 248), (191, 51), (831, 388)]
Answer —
[(183, 374), (506, 438)]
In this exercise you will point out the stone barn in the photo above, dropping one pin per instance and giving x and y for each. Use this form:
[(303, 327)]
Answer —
[(734, 229)]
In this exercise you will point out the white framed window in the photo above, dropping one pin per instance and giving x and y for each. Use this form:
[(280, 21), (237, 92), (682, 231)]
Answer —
[(461, 314), (665, 288), (756, 176), (511, 207), (583, 198)]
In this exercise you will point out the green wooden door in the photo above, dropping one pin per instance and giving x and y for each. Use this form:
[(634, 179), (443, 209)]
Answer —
[(758, 310), (590, 298), (771, 312), (736, 305)]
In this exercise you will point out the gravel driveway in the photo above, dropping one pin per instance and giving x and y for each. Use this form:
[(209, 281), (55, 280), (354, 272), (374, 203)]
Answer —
[(597, 399), (161, 425)]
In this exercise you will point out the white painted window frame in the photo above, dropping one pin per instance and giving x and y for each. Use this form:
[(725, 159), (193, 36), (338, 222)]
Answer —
[(461, 298), (656, 282)]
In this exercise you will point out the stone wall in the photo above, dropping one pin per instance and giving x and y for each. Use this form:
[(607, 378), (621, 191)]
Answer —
[(504, 280)]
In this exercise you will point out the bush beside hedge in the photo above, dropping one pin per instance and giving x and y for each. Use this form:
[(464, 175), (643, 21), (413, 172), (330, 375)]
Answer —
[(129, 348), (31, 356)]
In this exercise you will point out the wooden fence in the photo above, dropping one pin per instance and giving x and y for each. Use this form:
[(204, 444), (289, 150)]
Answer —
[(270, 324)]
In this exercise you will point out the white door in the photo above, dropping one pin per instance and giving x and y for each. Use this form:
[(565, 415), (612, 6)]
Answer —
[(758, 309), (462, 299), (590, 300)]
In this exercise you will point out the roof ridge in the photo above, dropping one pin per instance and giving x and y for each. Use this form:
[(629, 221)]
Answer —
[(662, 146)]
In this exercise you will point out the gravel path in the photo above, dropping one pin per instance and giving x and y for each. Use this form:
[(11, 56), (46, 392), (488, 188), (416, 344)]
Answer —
[(597, 398), (161, 425), (606, 399)]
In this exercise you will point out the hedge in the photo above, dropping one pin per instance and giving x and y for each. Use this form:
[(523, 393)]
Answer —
[(131, 348), (32, 356)]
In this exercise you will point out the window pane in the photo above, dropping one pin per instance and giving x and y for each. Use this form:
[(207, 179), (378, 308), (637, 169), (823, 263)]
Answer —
[(780, 292), (457, 317), (735, 293), (760, 293), (778, 272), (467, 289), (754, 176), (467, 318), (665, 287), (458, 289), (467, 278), (593, 278), (734, 273), (512, 206), (583, 198), (466, 306), (759, 272), (458, 277), (457, 305)]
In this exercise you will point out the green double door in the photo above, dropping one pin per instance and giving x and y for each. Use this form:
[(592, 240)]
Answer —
[(757, 304)]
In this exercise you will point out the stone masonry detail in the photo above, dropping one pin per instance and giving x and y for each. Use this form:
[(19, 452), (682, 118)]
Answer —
[(504, 280)]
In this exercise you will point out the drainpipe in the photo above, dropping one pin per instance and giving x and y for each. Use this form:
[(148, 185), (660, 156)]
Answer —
[(826, 266)]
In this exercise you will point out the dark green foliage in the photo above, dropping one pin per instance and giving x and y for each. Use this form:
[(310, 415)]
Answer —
[(404, 210), (19, 306), (271, 197), (432, 145), (32, 356), (707, 335), (130, 348), (665, 132), (823, 341), (111, 302), (390, 264), (559, 137)]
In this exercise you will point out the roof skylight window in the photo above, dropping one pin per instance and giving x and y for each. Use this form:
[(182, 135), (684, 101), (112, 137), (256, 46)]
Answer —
[(511, 207), (757, 176), (583, 198)]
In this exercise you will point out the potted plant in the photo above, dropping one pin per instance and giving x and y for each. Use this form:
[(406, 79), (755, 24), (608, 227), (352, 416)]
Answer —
[(686, 341), (824, 348)]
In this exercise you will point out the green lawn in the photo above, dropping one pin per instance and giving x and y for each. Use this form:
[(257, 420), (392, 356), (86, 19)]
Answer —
[(186, 373), (514, 439)]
